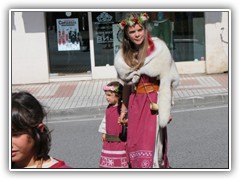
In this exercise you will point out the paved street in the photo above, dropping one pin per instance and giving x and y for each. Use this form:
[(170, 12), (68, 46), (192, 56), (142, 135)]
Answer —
[(198, 138), (198, 135)]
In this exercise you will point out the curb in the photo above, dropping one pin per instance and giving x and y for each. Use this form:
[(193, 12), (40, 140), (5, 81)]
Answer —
[(83, 112), (98, 111), (201, 101)]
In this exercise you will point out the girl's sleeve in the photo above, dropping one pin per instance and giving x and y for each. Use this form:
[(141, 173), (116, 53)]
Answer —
[(102, 127)]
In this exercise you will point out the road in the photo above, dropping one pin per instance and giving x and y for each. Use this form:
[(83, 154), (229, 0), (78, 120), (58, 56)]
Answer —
[(198, 139)]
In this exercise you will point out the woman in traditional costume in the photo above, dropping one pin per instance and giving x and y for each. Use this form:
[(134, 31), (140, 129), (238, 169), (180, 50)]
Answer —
[(149, 73)]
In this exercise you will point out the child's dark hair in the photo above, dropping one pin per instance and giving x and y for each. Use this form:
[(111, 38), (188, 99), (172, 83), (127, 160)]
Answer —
[(27, 114), (118, 88), (118, 91)]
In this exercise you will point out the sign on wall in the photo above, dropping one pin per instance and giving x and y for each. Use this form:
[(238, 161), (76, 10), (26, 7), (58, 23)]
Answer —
[(68, 36)]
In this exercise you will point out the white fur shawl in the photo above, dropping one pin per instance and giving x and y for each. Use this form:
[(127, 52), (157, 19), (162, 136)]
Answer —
[(158, 64)]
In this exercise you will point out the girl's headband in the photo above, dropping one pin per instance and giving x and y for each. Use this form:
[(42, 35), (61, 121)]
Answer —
[(134, 20), (110, 88)]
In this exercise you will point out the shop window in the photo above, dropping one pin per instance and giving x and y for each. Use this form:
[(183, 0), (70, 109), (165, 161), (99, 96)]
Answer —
[(68, 42), (183, 33), (103, 37)]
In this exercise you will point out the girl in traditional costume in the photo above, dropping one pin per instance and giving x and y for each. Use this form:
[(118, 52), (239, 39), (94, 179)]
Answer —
[(31, 138), (113, 153), (146, 67)]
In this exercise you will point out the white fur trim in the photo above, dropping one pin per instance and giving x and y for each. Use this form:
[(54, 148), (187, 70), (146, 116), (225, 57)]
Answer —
[(158, 64)]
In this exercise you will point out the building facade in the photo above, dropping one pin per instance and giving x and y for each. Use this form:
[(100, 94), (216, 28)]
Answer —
[(48, 46)]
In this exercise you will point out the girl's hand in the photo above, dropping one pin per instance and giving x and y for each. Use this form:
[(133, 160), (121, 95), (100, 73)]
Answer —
[(103, 137), (122, 120)]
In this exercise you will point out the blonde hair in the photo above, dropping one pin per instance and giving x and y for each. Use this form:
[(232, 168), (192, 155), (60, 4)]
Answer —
[(130, 52)]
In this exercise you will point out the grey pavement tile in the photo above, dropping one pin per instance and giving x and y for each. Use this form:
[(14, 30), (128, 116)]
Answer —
[(90, 93)]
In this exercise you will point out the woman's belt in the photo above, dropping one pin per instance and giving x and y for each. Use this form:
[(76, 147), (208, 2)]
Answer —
[(143, 88)]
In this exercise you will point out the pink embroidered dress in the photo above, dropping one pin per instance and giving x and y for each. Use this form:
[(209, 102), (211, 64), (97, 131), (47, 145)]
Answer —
[(113, 154), (142, 124)]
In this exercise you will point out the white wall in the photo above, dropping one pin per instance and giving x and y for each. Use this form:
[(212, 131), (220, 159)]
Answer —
[(216, 47), (216, 23), (29, 51), (191, 67)]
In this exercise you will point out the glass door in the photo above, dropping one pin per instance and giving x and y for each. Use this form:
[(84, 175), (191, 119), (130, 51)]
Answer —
[(68, 43)]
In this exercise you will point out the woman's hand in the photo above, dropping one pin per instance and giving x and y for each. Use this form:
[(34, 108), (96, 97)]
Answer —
[(133, 77), (122, 120)]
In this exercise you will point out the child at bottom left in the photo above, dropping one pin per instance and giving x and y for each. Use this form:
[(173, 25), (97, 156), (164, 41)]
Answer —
[(31, 139)]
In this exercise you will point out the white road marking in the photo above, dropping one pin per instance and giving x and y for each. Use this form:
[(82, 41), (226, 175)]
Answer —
[(79, 119)]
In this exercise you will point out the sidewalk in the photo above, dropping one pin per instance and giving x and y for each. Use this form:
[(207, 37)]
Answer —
[(86, 97)]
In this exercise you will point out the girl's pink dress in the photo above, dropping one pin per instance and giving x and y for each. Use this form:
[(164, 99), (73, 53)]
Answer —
[(113, 154)]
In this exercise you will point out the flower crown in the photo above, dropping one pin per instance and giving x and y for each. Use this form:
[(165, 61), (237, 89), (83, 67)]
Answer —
[(110, 88), (134, 20)]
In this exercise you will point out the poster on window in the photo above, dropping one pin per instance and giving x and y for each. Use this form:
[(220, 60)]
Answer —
[(68, 34)]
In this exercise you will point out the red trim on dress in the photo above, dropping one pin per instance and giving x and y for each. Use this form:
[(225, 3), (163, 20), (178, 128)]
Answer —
[(151, 44), (60, 164)]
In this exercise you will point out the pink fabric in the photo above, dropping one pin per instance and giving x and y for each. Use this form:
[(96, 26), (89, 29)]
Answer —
[(113, 153), (151, 45), (141, 129), (60, 164)]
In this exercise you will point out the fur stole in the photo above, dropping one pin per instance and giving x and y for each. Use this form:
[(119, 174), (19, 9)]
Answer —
[(158, 64)]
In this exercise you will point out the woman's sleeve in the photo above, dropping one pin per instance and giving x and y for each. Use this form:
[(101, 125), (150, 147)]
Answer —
[(127, 89)]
